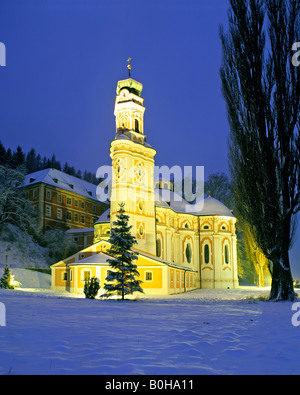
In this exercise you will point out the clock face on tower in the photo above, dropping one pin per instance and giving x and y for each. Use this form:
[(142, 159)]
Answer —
[(119, 168), (139, 173)]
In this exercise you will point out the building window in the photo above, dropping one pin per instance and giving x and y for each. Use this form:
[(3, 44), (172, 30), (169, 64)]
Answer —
[(76, 217), (83, 205), (48, 194), (158, 247), (64, 276), (82, 219), (48, 211), (59, 198), (141, 230), (35, 194), (188, 253), (76, 203), (86, 275), (206, 253), (71, 275), (94, 208), (136, 125), (226, 254), (148, 276), (172, 276), (69, 216), (69, 200), (59, 213)]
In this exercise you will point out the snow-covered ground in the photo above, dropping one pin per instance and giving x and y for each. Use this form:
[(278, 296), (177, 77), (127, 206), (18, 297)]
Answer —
[(200, 332)]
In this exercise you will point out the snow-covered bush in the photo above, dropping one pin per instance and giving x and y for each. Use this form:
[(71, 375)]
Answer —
[(91, 288)]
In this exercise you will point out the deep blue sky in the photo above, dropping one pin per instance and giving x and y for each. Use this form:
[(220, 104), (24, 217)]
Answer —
[(64, 59)]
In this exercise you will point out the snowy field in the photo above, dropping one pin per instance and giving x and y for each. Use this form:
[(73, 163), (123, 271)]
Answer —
[(201, 332)]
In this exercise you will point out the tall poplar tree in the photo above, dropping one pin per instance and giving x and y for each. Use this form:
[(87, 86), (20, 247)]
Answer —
[(261, 87), (121, 279)]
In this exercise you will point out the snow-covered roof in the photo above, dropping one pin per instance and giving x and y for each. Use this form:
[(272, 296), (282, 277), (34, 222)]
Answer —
[(96, 259), (104, 217), (211, 206), (64, 181), (80, 230), (202, 207), (167, 198)]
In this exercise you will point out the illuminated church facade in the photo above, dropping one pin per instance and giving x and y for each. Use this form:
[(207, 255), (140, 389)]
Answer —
[(181, 246)]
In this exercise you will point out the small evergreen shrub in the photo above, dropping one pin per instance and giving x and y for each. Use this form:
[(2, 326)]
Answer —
[(7, 280), (91, 288)]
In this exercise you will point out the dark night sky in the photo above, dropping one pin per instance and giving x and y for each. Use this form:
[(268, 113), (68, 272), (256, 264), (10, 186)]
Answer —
[(64, 59)]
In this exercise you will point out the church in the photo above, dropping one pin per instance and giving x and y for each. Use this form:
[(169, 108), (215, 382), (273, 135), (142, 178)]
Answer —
[(181, 246)]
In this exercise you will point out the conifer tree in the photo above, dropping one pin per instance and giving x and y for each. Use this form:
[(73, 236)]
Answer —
[(121, 279), (7, 278)]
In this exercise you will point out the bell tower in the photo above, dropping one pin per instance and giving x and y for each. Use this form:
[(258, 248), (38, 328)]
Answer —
[(133, 165)]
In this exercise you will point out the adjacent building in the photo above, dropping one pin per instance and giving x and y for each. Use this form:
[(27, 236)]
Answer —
[(63, 201)]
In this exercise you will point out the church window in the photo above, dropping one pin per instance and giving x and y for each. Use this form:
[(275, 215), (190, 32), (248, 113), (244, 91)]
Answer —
[(148, 276), (158, 247), (223, 227), (206, 253), (206, 227), (141, 230), (136, 125), (141, 205), (188, 253), (187, 226), (226, 254), (86, 275)]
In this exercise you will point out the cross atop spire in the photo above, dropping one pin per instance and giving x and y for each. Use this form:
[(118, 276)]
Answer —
[(129, 65)]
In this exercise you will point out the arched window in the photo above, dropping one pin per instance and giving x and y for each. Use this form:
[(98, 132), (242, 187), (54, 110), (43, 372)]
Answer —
[(158, 247), (206, 253), (226, 254), (136, 125), (188, 253)]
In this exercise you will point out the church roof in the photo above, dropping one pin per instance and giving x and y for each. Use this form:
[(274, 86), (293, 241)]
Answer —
[(104, 217), (211, 206), (202, 207)]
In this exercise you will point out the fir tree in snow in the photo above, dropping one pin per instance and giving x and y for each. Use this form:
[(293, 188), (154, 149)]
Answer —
[(121, 279), (7, 280)]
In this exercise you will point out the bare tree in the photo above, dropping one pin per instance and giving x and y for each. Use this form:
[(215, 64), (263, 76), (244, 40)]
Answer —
[(261, 87)]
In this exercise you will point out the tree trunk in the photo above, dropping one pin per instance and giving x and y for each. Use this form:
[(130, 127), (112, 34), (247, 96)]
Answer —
[(282, 282)]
